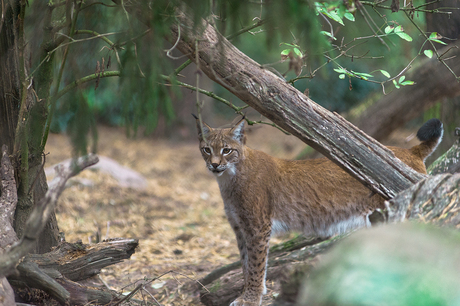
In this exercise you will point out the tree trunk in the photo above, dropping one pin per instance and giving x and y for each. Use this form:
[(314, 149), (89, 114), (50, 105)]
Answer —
[(10, 105), (55, 272), (9, 79), (361, 156), (355, 152)]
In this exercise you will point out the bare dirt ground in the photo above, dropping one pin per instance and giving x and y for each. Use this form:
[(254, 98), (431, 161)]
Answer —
[(178, 218)]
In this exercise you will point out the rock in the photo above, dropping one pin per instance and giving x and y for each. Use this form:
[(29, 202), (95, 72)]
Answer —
[(403, 264), (125, 176)]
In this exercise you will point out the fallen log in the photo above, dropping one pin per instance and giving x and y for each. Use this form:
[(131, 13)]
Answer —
[(58, 271), (281, 265), (434, 200), (449, 162)]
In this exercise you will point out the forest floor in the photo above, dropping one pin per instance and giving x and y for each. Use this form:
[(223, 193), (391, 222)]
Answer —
[(178, 216)]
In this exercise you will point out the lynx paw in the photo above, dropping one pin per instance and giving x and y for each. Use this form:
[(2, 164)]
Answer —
[(241, 302)]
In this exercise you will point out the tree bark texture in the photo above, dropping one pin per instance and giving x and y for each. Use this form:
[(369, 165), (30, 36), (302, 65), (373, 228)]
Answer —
[(355, 152), (9, 78), (40, 215), (449, 162), (435, 199), (6, 293), (8, 201), (10, 105), (57, 272)]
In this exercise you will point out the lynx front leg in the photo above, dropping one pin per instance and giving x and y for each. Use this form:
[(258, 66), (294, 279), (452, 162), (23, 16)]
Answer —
[(240, 239), (257, 241)]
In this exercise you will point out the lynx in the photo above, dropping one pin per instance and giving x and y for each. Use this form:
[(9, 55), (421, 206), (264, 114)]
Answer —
[(264, 195)]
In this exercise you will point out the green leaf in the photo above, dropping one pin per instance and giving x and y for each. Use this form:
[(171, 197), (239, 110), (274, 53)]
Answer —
[(333, 15), (349, 16), (428, 53), (290, 45), (438, 41), (407, 83), (364, 74), (340, 70), (396, 84), (389, 29), (385, 73), (328, 34), (402, 79), (285, 52), (433, 35), (404, 36), (297, 52), (342, 76)]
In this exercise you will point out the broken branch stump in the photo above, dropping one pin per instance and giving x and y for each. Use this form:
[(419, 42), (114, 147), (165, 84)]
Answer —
[(57, 272)]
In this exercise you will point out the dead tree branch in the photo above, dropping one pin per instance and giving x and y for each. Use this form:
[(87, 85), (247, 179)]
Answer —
[(58, 271), (358, 154), (40, 215)]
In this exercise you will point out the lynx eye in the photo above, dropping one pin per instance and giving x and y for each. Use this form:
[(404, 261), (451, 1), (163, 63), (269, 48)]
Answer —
[(207, 150), (226, 151)]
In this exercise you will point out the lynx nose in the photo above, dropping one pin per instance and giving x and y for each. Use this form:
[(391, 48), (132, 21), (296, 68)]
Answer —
[(215, 165)]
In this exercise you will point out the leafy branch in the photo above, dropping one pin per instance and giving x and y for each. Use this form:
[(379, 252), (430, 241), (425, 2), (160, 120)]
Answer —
[(431, 39), (407, 9)]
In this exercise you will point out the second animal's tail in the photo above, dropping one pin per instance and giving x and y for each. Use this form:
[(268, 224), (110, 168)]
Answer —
[(430, 134)]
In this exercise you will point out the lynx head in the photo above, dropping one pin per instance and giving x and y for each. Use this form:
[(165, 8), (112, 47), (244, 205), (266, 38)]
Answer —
[(222, 149)]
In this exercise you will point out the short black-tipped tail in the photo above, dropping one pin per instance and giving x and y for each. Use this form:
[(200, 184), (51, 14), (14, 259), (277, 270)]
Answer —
[(430, 134)]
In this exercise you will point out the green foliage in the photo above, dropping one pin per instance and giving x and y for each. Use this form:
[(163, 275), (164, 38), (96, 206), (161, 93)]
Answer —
[(81, 124), (294, 20), (435, 37), (314, 32)]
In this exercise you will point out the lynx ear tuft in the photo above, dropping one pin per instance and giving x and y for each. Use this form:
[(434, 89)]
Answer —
[(206, 128), (238, 131)]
